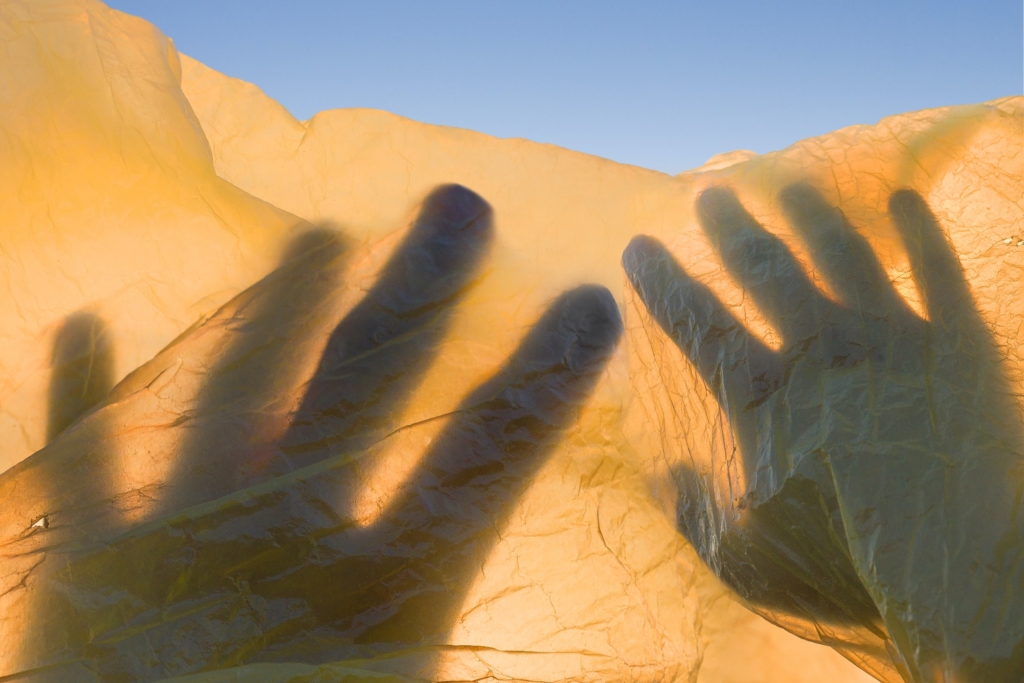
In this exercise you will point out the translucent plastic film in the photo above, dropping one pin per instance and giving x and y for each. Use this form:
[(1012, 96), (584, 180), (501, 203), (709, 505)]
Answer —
[(364, 399)]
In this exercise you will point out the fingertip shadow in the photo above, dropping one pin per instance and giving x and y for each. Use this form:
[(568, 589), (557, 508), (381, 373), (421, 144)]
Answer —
[(378, 353), (81, 370), (324, 242)]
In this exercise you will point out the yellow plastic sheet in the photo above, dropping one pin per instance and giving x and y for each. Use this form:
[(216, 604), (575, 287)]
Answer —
[(384, 427)]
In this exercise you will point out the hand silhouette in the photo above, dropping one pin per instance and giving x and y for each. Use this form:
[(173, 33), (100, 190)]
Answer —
[(247, 550), (881, 451)]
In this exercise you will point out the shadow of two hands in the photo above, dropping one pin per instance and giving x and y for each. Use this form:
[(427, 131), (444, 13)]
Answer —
[(881, 451), (247, 552), (247, 558)]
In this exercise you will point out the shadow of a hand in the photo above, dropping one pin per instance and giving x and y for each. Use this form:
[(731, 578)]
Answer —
[(250, 551), (881, 451)]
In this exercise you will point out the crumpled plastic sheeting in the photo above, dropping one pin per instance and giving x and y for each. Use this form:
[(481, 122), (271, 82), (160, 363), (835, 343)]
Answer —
[(966, 167), (423, 447)]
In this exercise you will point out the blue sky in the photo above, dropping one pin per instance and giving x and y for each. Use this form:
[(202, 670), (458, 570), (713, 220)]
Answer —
[(658, 84)]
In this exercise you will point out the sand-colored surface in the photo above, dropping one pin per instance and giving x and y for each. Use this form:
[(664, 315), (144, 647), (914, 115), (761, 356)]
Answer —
[(144, 190)]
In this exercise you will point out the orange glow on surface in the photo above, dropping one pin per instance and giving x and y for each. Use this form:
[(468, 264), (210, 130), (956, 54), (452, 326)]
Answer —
[(161, 204)]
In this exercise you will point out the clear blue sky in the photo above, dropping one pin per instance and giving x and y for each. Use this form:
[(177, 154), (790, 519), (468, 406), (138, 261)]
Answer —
[(658, 84)]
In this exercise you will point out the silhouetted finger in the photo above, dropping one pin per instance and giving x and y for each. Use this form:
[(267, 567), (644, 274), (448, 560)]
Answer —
[(693, 317), (937, 270), (763, 265), (845, 258), (82, 371), (503, 430), (449, 515), (739, 370), (377, 354), (265, 333)]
